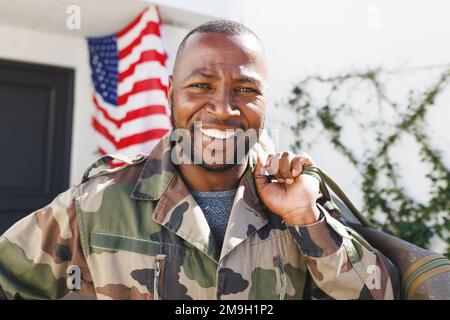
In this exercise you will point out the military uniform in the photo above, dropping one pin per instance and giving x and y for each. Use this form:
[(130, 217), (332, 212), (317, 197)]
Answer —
[(136, 232)]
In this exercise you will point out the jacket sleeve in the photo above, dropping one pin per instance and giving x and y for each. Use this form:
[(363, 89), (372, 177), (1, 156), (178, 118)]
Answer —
[(41, 256), (341, 263)]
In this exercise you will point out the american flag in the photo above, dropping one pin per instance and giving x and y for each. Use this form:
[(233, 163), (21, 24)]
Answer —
[(130, 80)]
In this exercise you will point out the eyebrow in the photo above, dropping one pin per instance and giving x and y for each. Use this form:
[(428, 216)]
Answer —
[(211, 75), (253, 80), (203, 74)]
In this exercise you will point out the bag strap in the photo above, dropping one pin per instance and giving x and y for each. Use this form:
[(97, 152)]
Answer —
[(325, 182)]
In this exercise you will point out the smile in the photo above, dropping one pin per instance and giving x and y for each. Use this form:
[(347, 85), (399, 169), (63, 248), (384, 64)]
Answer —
[(218, 134)]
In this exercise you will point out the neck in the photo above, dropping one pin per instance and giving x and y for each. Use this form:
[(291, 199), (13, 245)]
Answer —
[(198, 178)]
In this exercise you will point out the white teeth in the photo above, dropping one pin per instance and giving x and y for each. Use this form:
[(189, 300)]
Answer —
[(218, 134)]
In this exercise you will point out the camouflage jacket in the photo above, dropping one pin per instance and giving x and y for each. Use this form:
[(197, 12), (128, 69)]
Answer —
[(136, 232)]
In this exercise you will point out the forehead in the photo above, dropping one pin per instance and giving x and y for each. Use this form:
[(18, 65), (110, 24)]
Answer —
[(221, 53)]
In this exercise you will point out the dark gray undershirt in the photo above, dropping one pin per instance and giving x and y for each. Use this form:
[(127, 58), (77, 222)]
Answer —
[(216, 207)]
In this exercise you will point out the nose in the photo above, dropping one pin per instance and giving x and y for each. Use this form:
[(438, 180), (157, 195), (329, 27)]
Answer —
[(222, 106)]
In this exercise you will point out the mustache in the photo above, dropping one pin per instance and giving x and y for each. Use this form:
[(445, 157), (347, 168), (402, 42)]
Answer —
[(208, 121)]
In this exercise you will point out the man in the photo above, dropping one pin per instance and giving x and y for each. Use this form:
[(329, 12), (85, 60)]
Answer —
[(205, 221)]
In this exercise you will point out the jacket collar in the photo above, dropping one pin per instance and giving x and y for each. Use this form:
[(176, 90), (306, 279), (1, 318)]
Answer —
[(157, 172)]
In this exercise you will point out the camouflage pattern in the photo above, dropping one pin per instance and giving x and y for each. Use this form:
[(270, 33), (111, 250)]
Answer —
[(137, 233)]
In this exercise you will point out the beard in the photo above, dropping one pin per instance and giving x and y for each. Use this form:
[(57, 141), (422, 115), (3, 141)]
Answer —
[(235, 154)]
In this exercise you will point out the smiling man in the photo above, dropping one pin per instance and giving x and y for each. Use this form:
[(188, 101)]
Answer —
[(199, 222)]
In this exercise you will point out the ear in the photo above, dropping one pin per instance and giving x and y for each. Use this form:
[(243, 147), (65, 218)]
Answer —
[(170, 91)]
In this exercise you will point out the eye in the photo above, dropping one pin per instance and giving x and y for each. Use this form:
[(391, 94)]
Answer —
[(200, 85), (246, 90)]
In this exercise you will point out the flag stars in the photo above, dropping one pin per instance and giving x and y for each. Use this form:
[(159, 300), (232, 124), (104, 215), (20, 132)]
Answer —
[(104, 62)]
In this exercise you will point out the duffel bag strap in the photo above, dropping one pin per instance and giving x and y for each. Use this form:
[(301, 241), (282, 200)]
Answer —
[(325, 182)]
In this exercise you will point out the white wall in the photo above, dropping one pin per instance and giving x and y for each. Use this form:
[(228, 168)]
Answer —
[(228, 9), (172, 37), (59, 50), (329, 37)]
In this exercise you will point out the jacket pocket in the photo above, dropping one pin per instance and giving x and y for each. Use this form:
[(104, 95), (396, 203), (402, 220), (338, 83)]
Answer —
[(281, 275), (158, 281), (116, 242), (137, 262)]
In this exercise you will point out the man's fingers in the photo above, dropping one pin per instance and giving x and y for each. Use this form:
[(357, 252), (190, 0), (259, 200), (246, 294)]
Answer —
[(285, 168), (300, 161), (306, 159), (297, 167), (259, 173), (280, 167)]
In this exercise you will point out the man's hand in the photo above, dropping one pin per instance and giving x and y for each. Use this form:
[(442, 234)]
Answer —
[(290, 195)]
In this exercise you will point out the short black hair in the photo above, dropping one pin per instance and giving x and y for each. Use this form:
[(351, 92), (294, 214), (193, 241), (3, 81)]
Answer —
[(228, 27)]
